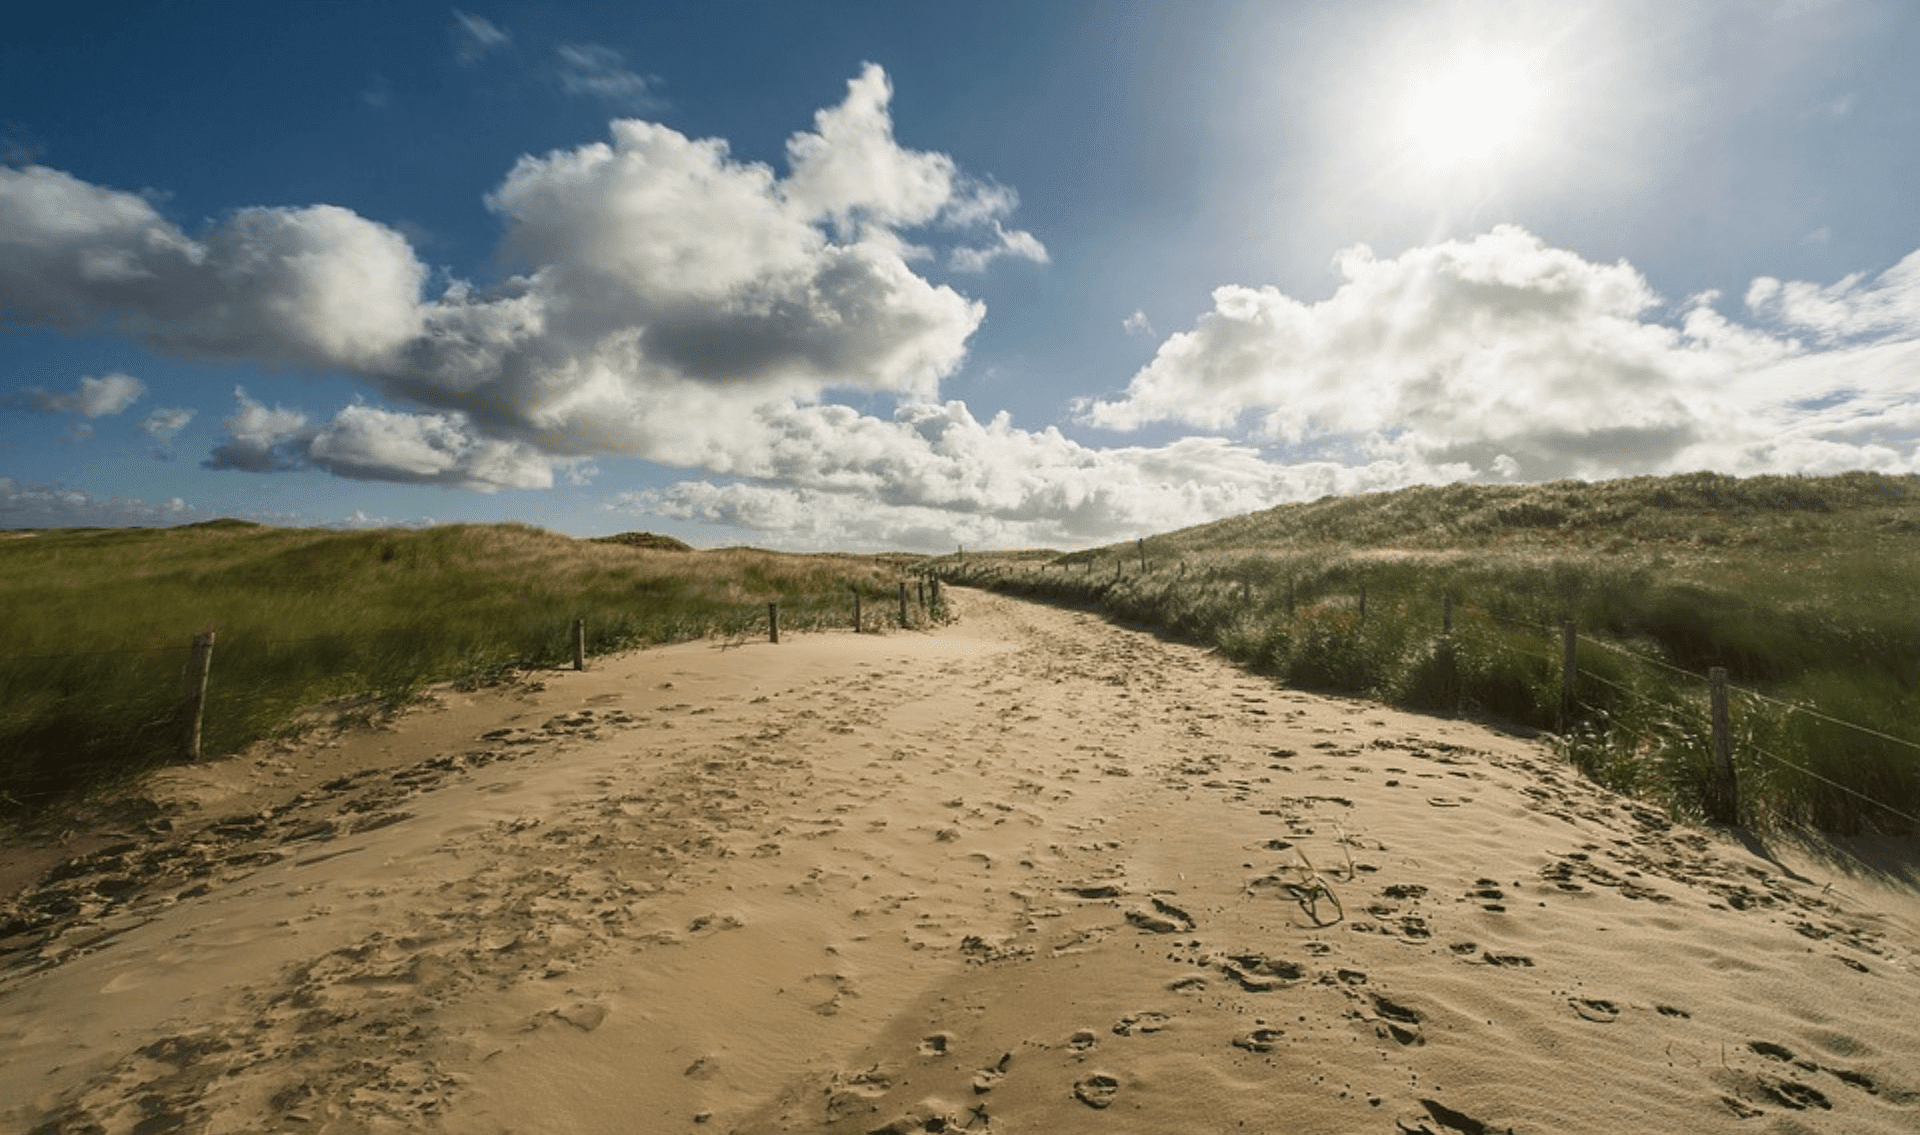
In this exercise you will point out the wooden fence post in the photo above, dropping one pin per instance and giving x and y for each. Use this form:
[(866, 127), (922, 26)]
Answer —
[(933, 591), (579, 644), (1143, 555), (773, 622), (1726, 798), (197, 668), (1569, 667), (903, 603)]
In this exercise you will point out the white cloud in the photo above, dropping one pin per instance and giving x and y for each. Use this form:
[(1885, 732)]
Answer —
[(476, 37), (1500, 347), (261, 440), (96, 397), (54, 506), (936, 474), (365, 443), (318, 286), (370, 444), (1137, 324), (666, 291), (162, 423), (597, 71), (1846, 311), (1019, 244)]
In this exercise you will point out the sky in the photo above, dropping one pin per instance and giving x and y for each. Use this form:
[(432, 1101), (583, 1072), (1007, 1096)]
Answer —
[(912, 276)]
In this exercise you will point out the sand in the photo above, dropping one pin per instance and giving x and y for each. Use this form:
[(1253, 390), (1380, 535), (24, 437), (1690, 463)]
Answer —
[(1031, 872)]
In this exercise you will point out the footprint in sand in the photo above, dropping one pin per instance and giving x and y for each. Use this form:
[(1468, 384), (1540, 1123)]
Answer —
[(1601, 1012), (1097, 1091), (1258, 973), (1164, 918), (1143, 1022), (937, 1044), (1083, 1040), (1259, 1040), (986, 1078)]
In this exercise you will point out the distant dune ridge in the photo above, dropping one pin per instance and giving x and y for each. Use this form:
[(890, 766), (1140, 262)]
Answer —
[(1029, 871)]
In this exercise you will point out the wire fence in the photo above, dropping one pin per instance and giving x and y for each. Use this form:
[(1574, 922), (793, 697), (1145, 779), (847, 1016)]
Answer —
[(65, 712), (1460, 622)]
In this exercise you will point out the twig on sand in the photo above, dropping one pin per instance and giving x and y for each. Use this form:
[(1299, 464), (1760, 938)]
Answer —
[(1312, 890)]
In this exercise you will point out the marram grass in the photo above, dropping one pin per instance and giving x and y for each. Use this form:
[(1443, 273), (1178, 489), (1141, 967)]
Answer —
[(1803, 588), (99, 624)]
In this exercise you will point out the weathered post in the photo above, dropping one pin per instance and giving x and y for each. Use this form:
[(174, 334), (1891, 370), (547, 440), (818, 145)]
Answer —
[(773, 622), (1726, 801), (197, 667), (903, 603), (933, 592), (579, 644), (923, 593), (1569, 667), (1143, 555)]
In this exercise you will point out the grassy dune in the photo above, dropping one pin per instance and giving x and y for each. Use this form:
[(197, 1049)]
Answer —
[(1804, 588), (99, 624)]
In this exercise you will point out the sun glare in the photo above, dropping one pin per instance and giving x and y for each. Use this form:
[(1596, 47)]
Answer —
[(1469, 115)]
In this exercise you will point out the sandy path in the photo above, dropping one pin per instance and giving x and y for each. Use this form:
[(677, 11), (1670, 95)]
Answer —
[(1028, 873)]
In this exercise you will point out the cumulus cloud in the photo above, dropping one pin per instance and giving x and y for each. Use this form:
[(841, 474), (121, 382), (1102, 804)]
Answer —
[(819, 476), (1137, 324), (1511, 357), (663, 291), (261, 440), (95, 398), (370, 444), (319, 286), (366, 443)]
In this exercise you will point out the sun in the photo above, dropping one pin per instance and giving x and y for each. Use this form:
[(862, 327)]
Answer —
[(1470, 115)]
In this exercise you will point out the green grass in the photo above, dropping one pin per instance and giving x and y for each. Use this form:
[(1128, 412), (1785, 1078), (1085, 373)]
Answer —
[(1801, 587), (100, 621)]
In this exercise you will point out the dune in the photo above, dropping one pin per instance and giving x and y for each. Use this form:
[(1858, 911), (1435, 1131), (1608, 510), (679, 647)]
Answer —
[(1030, 872)]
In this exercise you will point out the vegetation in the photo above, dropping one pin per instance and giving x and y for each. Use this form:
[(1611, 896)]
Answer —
[(100, 623), (1803, 588)]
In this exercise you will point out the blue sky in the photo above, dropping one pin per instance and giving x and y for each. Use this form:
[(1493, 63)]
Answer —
[(901, 275)]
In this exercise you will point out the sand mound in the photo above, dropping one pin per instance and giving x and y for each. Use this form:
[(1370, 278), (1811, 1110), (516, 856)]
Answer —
[(1028, 873)]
